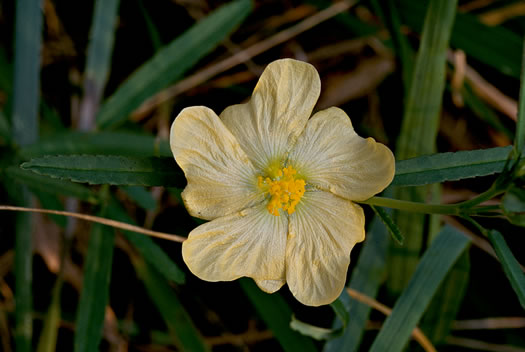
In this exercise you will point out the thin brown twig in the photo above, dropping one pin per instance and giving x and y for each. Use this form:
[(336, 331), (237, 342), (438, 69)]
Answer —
[(99, 220), (490, 323), (241, 56), (417, 334)]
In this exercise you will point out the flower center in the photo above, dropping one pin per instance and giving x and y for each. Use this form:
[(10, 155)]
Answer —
[(284, 188)]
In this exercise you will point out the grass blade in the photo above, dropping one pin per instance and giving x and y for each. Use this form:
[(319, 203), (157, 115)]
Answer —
[(510, 265), (98, 60), (4, 127), (495, 46), (437, 261), (113, 170), (277, 315), (172, 62), (49, 335), (520, 127), (442, 167), (151, 252), (419, 130), (179, 323), (390, 224), (46, 184), (99, 143), (95, 288), (366, 278)]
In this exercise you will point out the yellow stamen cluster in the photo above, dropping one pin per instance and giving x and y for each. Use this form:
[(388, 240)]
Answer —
[(285, 190)]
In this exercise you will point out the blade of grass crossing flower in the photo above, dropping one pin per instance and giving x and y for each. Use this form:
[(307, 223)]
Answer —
[(151, 252), (277, 315), (495, 46), (320, 333), (430, 273), (520, 127), (99, 143), (419, 130), (184, 333), (442, 167), (113, 170), (98, 61), (510, 265), (445, 304), (24, 124), (95, 287), (367, 277), (172, 62)]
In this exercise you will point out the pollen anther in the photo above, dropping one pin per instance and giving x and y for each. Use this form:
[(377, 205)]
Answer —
[(285, 190)]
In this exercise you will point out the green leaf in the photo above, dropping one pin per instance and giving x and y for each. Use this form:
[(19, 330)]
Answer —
[(495, 46), (437, 261), (520, 126), (95, 288), (99, 143), (514, 205), (113, 170), (366, 278), (28, 38), (4, 127), (172, 62), (276, 313), (51, 201), (419, 131), (48, 337), (169, 306), (442, 167), (443, 308), (46, 184), (390, 224), (320, 333), (141, 196), (150, 250), (510, 265)]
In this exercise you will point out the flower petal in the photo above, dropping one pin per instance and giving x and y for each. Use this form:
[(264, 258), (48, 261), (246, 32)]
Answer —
[(270, 286), (221, 178), (331, 156), (322, 232), (282, 101), (249, 243)]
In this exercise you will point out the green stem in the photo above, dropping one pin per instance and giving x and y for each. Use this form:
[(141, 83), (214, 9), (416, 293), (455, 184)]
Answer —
[(488, 194), (445, 209)]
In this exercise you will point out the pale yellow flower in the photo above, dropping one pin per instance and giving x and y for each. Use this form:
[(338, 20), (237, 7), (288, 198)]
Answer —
[(277, 186)]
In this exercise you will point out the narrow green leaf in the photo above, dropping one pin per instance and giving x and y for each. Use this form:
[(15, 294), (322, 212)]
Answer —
[(514, 205), (150, 250), (419, 131), (520, 126), (48, 337), (320, 333), (98, 60), (444, 307), (141, 196), (113, 170), (95, 288), (390, 224), (23, 275), (367, 277), (172, 62), (437, 261), (442, 167), (51, 201), (28, 38), (46, 184), (510, 265), (150, 25), (169, 306), (276, 313), (98, 143), (4, 127), (495, 46)]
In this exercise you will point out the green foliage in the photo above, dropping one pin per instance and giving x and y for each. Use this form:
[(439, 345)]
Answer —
[(113, 170), (431, 271), (510, 264), (172, 62), (320, 333), (514, 205), (442, 167), (390, 225)]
